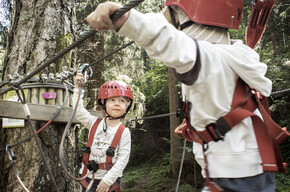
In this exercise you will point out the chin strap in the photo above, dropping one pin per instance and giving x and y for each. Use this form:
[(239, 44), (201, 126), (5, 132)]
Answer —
[(111, 118)]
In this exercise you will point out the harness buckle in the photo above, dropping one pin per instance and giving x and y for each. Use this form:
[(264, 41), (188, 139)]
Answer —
[(110, 152), (213, 130), (86, 149), (93, 166)]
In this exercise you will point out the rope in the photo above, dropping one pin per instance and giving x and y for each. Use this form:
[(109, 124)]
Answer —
[(61, 156), (106, 56), (80, 40), (280, 92), (181, 164)]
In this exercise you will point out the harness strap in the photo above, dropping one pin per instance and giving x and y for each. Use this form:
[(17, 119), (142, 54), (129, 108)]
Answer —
[(88, 145), (87, 152), (114, 144)]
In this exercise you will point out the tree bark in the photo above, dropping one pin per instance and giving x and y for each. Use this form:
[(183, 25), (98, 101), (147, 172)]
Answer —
[(39, 30)]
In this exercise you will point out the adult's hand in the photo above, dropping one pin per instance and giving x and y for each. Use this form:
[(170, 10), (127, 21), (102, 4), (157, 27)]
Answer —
[(100, 18)]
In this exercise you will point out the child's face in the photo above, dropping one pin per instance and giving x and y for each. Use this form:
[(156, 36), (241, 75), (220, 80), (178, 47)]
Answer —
[(117, 106)]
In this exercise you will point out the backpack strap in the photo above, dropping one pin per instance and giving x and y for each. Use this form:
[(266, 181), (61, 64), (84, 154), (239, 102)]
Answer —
[(88, 151)]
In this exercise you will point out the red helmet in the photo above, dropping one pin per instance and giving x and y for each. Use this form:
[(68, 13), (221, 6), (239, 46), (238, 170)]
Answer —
[(114, 89), (222, 13)]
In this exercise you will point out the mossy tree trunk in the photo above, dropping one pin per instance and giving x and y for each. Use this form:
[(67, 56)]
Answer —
[(39, 30)]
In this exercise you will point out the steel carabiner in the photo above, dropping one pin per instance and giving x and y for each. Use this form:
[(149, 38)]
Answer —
[(85, 71), (11, 153)]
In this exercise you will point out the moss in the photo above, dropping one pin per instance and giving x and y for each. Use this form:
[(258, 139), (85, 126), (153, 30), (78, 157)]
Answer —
[(61, 43), (25, 17)]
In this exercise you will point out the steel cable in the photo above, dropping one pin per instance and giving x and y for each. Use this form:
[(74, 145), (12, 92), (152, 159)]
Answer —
[(80, 40)]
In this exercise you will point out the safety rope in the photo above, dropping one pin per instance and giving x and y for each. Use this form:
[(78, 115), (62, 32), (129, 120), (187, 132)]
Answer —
[(181, 164), (280, 92), (80, 40), (61, 153)]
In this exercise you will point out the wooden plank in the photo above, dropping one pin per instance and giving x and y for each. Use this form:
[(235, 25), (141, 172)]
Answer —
[(12, 109)]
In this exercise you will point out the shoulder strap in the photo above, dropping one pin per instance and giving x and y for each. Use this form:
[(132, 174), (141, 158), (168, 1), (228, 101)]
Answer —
[(114, 144), (93, 132), (89, 144)]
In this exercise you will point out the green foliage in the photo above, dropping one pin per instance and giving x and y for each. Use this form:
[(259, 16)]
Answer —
[(282, 182), (152, 176)]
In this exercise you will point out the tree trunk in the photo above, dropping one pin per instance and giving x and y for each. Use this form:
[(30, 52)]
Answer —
[(39, 30), (174, 122)]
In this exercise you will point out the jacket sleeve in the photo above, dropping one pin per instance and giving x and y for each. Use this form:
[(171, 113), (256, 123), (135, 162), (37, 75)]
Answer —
[(160, 40), (123, 155), (82, 115)]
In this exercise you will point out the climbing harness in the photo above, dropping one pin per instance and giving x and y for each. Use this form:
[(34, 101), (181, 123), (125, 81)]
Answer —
[(267, 132), (92, 165)]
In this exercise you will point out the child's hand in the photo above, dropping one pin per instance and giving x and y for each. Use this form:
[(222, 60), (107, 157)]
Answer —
[(79, 79), (100, 18), (102, 187)]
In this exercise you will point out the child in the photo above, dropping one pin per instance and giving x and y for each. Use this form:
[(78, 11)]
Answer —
[(209, 64), (115, 97)]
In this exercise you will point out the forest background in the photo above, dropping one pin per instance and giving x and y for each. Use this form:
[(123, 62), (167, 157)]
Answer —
[(156, 151)]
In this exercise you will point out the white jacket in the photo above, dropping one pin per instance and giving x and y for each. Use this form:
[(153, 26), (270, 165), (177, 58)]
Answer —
[(212, 92), (101, 143)]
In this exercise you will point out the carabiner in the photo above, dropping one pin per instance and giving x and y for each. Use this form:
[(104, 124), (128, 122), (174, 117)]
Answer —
[(85, 72), (11, 154)]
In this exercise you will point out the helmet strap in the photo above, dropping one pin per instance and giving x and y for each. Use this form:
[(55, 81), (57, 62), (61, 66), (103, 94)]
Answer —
[(186, 24), (172, 16)]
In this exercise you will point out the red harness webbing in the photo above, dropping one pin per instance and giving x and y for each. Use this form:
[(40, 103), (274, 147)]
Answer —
[(267, 132), (108, 165)]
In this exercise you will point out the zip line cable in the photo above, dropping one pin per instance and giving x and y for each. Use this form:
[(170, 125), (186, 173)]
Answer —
[(80, 40), (116, 50)]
